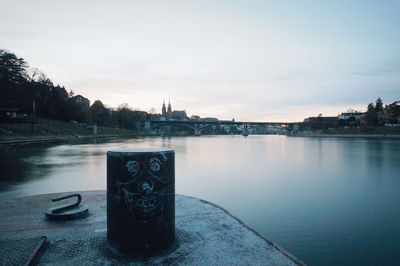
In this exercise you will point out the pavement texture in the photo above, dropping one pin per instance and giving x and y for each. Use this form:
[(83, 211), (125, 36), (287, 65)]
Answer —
[(206, 235)]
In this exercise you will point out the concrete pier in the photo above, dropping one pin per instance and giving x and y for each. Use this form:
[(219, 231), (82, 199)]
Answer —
[(206, 235)]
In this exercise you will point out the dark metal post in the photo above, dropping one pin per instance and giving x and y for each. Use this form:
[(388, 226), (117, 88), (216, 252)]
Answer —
[(140, 202)]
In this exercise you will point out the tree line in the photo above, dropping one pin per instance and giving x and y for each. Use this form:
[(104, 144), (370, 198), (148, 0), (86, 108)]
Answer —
[(377, 115), (29, 90), (21, 85)]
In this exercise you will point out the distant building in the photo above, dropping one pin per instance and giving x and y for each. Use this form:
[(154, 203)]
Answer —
[(320, 122), (17, 112), (163, 110), (168, 114), (169, 110), (8, 114), (391, 114), (347, 116), (319, 119), (179, 115), (209, 119), (195, 118), (82, 103), (155, 117)]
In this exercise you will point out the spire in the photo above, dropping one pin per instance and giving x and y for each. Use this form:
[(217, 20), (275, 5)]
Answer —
[(169, 111), (163, 109)]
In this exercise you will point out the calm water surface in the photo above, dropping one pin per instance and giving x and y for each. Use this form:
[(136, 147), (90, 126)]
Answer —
[(329, 201)]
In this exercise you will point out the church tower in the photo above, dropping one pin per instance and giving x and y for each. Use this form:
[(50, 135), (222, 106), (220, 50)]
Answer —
[(163, 109), (169, 111)]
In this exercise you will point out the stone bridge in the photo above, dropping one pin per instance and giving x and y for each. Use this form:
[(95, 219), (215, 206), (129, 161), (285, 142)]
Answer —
[(197, 126)]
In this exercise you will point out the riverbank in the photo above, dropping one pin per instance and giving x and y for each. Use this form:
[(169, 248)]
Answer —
[(48, 132), (206, 235), (50, 140), (325, 135)]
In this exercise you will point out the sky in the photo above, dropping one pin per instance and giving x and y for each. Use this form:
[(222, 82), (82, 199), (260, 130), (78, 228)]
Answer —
[(248, 60)]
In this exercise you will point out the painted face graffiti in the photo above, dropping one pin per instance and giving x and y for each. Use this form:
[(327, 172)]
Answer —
[(155, 165), (146, 187), (132, 166)]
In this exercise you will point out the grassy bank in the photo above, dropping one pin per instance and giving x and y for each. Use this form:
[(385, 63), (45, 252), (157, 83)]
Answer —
[(53, 129)]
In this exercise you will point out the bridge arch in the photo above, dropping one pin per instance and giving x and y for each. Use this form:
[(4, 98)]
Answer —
[(172, 124)]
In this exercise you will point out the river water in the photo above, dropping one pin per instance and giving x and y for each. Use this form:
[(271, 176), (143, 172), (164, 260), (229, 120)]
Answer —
[(329, 201)]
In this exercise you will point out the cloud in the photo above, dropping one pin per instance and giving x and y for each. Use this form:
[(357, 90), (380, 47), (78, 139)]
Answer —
[(248, 60)]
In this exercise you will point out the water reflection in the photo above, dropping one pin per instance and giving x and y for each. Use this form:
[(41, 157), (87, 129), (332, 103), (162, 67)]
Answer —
[(329, 201), (14, 167)]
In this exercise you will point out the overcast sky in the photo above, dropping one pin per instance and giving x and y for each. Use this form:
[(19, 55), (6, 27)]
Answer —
[(251, 60)]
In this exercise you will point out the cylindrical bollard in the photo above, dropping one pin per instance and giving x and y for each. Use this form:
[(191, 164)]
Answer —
[(140, 201)]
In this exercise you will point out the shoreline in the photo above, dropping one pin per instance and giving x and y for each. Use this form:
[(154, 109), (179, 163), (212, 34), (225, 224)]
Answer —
[(21, 141), (50, 140), (53, 140), (372, 136)]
